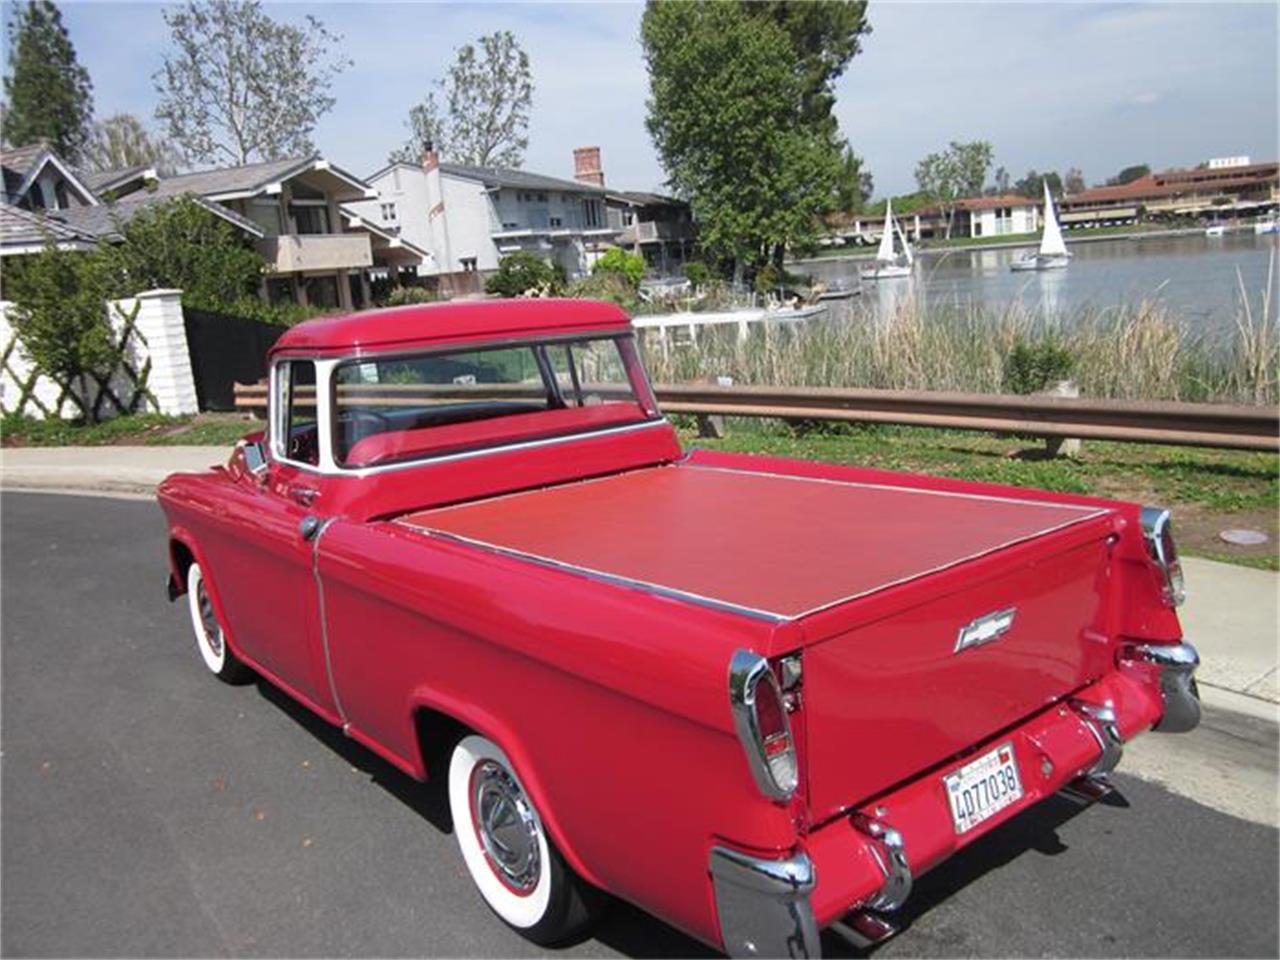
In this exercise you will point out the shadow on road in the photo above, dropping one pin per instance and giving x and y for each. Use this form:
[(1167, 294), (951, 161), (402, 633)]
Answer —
[(635, 933)]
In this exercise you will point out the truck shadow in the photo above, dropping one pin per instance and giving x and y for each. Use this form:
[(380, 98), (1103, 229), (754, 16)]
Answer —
[(634, 933)]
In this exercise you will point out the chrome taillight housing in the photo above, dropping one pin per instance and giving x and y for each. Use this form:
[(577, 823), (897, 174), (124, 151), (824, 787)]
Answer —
[(760, 716), (1157, 527)]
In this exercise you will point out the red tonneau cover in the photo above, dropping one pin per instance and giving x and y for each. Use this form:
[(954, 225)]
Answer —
[(775, 545)]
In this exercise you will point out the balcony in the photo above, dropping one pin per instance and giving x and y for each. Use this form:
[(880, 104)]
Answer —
[(295, 253), (655, 231)]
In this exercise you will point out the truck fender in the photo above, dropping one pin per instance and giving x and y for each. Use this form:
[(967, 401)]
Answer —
[(180, 537), (505, 736)]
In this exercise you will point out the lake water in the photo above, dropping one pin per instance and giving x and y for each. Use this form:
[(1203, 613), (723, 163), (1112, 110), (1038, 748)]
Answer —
[(1196, 276)]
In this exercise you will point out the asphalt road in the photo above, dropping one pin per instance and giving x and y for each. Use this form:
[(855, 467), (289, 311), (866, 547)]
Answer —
[(149, 810)]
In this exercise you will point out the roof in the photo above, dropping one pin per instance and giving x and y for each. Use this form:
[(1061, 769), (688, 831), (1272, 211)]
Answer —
[(252, 178), (991, 203), (516, 179), (100, 180), (21, 166), (392, 238), (103, 221), (642, 198), (422, 324), (1176, 182), (25, 230)]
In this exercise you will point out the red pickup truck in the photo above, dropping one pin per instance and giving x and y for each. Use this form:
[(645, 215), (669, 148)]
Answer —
[(753, 696)]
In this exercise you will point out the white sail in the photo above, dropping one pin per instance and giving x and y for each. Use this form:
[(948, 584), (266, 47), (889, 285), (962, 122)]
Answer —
[(885, 251), (906, 247), (1051, 243)]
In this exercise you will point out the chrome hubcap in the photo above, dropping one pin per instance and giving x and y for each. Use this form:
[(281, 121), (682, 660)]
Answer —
[(209, 620), (507, 826)]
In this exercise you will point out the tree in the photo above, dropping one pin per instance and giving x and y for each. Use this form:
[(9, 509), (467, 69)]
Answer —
[(1073, 181), (959, 171), (1032, 185), (238, 86), (121, 141), (487, 97), (47, 92), (60, 316), (1001, 183), (181, 245), (854, 184), (1129, 174), (735, 118)]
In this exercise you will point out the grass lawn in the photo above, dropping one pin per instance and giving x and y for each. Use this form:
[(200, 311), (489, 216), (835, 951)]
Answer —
[(212, 429), (1208, 490)]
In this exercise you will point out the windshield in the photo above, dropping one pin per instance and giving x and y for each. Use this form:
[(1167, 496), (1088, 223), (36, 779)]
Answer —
[(432, 404)]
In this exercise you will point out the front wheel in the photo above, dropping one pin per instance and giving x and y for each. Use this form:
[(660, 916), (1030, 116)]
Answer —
[(211, 638), (516, 866)]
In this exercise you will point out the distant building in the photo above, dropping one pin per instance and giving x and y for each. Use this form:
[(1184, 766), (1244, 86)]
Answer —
[(469, 217), (290, 209), (1219, 187), (994, 217)]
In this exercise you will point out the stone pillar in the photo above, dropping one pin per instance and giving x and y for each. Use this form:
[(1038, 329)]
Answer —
[(164, 340)]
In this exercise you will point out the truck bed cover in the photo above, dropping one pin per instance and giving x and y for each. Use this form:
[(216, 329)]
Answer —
[(770, 545)]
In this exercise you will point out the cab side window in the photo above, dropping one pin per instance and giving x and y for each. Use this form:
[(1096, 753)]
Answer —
[(297, 434)]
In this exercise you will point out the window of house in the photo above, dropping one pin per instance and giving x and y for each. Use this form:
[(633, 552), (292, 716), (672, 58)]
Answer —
[(388, 212), (556, 222), (322, 292), (510, 225), (591, 213), (542, 198), (628, 217), (468, 264), (295, 436), (310, 218)]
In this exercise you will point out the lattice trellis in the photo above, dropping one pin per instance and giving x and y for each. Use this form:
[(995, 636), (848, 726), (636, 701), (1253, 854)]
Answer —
[(124, 388)]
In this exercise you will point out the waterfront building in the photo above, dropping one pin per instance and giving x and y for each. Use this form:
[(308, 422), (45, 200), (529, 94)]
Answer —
[(1218, 188)]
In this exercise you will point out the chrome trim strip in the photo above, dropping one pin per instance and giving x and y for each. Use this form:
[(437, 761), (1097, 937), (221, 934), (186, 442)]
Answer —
[(601, 576), (890, 852), (747, 671), (1177, 665), (324, 623), (763, 905)]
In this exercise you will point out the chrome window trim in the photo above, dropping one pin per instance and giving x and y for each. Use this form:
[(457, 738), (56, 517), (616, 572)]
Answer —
[(276, 415)]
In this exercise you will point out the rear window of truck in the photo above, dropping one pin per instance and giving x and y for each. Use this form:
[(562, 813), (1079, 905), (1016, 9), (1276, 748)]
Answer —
[(418, 406)]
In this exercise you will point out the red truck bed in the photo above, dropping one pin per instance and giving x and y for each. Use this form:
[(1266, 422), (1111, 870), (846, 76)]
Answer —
[(776, 545)]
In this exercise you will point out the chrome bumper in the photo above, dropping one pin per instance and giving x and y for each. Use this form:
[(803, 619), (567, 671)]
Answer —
[(1177, 666), (764, 905)]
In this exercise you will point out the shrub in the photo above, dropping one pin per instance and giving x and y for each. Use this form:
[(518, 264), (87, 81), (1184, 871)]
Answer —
[(525, 274), (697, 273), (404, 296), (1033, 366), (605, 285), (616, 261)]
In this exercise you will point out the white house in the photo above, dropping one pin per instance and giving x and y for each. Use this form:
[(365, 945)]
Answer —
[(469, 217)]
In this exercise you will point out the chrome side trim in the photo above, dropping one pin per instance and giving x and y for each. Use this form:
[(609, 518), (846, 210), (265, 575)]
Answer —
[(1177, 665), (324, 620), (763, 905), (1100, 718), (890, 852)]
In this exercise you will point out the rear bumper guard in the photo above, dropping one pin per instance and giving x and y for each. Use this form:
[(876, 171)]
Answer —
[(764, 906), (1176, 664)]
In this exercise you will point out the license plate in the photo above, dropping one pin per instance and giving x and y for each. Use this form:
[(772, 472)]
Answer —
[(983, 787)]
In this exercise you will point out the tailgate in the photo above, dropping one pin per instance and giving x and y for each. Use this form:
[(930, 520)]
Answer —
[(888, 700)]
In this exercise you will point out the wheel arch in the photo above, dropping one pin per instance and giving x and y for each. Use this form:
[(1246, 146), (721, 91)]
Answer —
[(183, 552), (440, 720)]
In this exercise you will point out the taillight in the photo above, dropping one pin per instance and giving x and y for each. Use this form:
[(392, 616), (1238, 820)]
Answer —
[(1157, 527), (760, 716)]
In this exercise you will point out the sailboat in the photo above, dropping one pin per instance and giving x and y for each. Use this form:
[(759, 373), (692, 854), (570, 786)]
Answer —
[(1052, 254), (889, 263)]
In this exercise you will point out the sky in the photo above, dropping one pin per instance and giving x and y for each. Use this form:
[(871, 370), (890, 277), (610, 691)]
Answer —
[(1097, 86)]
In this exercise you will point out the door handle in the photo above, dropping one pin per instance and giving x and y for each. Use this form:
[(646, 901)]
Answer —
[(303, 496)]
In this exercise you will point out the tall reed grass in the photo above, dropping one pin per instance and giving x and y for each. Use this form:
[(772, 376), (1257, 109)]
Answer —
[(1138, 351)]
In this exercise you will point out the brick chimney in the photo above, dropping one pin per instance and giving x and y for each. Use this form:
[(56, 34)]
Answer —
[(586, 166)]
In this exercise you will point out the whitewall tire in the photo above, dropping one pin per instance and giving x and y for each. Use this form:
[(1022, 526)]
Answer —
[(513, 862), (211, 637)]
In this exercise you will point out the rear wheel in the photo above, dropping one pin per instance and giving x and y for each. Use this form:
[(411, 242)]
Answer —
[(513, 862), (211, 638)]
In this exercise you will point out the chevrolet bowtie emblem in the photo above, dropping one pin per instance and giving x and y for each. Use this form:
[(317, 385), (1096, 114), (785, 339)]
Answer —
[(988, 627)]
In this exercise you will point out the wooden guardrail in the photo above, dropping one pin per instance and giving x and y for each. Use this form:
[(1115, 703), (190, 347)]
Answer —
[(1182, 424)]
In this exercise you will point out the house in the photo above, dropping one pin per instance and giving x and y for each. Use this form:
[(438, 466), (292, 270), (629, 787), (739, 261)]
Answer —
[(290, 209), (657, 227), (987, 217), (1226, 186), (470, 217)]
